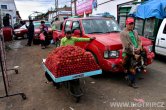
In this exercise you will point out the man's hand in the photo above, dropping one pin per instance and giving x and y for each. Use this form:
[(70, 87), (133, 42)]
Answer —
[(92, 38), (137, 51)]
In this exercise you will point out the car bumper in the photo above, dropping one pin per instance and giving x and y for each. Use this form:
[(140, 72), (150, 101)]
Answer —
[(115, 65), (18, 34)]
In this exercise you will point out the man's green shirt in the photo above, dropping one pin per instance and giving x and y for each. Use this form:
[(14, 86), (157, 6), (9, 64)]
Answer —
[(133, 40), (72, 40)]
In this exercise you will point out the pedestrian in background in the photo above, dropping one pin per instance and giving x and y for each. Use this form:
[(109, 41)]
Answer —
[(132, 52), (44, 31), (6, 22), (30, 32)]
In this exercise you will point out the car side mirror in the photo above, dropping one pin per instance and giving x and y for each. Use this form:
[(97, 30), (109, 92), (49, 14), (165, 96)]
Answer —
[(77, 32)]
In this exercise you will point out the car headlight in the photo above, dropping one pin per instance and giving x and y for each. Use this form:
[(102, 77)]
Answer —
[(114, 54), (106, 54), (111, 54), (150, 48), (17, 32)]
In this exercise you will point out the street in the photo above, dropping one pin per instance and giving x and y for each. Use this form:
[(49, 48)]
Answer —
[(99, 94)]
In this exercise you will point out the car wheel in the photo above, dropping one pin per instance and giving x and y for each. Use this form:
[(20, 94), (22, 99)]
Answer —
[(15, 37), (95, 57), (25, 36)]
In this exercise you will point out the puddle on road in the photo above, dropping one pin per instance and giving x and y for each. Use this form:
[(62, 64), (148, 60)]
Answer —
[(16, 45)]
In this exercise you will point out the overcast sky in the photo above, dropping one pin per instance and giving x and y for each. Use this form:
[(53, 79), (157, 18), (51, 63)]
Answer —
[(27, 7)]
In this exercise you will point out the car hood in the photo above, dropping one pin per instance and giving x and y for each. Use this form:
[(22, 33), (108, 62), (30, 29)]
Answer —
[(20, 29), (113, 40)]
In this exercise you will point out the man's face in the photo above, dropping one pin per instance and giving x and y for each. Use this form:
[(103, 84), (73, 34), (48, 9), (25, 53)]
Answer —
[(68, 35), (130, 26)]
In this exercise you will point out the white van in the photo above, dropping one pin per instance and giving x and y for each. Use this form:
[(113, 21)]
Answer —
[(160, 45)]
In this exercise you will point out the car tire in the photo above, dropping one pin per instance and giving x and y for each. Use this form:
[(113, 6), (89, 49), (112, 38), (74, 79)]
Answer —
[(95, 76), (25, 36), (15, 37)]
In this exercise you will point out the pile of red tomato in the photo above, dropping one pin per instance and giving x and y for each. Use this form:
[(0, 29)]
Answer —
[(69, 60)]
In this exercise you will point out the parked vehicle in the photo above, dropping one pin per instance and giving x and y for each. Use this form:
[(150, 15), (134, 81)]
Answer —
[(57, 26), (21, 32), (37, 31), (150, 23), (107, 47), (160, 44)]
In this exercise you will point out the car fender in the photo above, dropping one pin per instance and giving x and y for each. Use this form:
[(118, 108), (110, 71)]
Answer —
[(95, 51)]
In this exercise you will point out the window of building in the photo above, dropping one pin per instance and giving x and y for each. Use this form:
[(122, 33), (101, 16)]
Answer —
[(3, 6)]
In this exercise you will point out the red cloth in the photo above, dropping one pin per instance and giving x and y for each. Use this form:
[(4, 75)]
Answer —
[(42, 36)]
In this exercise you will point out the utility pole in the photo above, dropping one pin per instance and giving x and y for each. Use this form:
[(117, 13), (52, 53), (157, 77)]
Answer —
[(56, 6), (71, 8), (75, 10)]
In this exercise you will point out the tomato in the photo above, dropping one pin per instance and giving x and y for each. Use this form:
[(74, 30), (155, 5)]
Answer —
[(68, 60)]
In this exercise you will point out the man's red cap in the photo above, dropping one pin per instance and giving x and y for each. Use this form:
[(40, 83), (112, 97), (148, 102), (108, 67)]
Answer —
[(129, 20)]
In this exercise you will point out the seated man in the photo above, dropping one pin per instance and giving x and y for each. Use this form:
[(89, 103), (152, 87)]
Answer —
[(133, 54)]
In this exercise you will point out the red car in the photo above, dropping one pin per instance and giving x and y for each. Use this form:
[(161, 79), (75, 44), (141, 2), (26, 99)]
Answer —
[(107, 47), (36, 39), (21, 32)]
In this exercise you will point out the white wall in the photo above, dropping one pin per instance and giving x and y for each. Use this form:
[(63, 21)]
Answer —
[(11, 9), (110, 7)]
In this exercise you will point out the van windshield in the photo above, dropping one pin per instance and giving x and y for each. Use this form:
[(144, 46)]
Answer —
[(100, 26)]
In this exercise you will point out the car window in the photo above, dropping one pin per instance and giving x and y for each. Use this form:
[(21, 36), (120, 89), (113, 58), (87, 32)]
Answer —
[(67, 25), (164, 31), (100, 26), (37, 24), (75, 26)]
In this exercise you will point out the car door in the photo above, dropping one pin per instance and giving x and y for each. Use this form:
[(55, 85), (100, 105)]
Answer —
[(160, 46)]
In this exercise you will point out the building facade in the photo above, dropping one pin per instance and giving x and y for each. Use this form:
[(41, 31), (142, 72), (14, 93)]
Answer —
[(92, 7), (8, 7), (60, 14)]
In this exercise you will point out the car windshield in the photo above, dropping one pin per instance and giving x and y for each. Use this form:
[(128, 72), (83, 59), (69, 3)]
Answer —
[(100, 26), (37, 24), (23, 26)]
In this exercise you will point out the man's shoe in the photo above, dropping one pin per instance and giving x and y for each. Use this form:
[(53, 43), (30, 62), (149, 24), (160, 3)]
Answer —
[(43, 47), (133, 85), (27, 45)]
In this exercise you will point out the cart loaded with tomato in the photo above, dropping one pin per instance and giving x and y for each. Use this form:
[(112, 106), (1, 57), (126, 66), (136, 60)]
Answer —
[(65, 65)]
